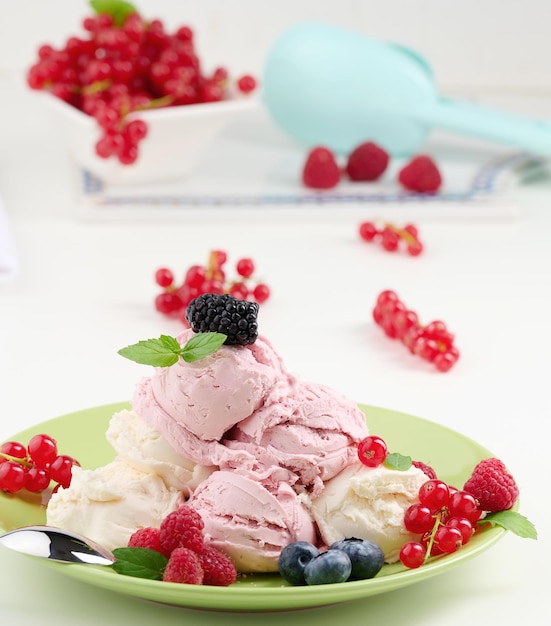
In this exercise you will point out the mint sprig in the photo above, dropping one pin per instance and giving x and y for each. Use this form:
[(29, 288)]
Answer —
[(512, 521), (165, 351), (139, 562), (118, 9), (397, 461)]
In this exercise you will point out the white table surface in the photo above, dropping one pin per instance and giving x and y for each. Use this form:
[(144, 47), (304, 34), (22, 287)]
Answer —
[(85, 288)]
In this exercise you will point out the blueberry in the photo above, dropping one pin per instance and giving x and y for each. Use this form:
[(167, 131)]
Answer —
[(293, 559), (333, 566), (366, 557)]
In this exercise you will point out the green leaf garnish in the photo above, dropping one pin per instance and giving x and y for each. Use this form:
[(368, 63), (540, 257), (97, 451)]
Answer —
[(398, 461), (139, 562), (118, 9), (513, 521), (165, 351)]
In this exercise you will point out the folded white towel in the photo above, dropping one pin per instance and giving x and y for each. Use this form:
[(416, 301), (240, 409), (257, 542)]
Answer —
[(8, 253)]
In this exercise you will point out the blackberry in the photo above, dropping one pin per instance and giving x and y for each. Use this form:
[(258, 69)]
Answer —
[(225, 314)]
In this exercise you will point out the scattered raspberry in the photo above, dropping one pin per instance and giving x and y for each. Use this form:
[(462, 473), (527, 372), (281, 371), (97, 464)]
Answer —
[(182, 528), (366, 162), (492, 485), (321, 170), (217, 567), (147, 538), (421, 175), (183, 566), (426, 468)]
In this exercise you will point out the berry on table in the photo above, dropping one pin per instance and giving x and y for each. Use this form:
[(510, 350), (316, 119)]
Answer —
[(366, 162), (391, 236), (321, 170), (421, 175), (432, 342), (213, 277)]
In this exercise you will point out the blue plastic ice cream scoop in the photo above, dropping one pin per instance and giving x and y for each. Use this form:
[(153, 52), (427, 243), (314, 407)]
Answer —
[(325, 85)]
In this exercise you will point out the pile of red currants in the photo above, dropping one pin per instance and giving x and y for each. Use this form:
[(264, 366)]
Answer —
[(34, 466), (209, 278), (125, 64), (391, 237), (433, 342)]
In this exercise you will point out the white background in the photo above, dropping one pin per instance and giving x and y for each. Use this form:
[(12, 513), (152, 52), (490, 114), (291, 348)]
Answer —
[(84, 289)]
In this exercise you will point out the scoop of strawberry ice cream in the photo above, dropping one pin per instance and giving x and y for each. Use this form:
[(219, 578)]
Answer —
[(207, 397), (313, 433), (248, 522)]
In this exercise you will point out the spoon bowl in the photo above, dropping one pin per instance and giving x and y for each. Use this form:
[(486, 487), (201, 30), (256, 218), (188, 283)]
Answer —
[(56, 544), (325, 85)]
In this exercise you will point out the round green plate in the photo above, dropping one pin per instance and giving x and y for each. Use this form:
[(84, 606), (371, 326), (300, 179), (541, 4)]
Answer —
[(82, 435)]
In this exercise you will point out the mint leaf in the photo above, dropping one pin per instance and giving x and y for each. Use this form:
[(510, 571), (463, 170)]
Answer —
[(161, 352), (513, 521), (140, 563), (118, 9), (398, 461), (165, 351), (201, 345)]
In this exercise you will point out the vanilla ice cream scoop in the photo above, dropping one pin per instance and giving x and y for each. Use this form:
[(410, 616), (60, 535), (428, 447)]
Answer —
[(207, 397), (368, 503), (248, 522), (147, 450), (109, 503)]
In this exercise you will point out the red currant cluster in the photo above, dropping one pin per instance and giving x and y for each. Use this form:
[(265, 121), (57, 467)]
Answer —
[(209, 278), (445, 519), (432, 342), (390, 236), (32, 467), (125, 65)]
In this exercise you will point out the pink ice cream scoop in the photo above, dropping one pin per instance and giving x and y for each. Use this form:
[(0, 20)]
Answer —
[(248, 522), (205, 398), (313, 433)]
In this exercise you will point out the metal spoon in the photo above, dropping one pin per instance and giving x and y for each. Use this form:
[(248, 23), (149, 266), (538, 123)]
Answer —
[(56, 544)]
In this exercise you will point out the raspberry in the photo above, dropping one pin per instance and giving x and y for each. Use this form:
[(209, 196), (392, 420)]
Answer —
[(217, 567), (421, 175), (183, 528), (226, 314), (147, 538), (426, 468), (367, 161), (492, 485), (183, 566), (321, 170)]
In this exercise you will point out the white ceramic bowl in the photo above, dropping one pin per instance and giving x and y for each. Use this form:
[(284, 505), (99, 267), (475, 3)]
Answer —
[(176, 139)]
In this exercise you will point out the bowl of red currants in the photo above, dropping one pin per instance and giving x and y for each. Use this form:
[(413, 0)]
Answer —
[(131, 99)]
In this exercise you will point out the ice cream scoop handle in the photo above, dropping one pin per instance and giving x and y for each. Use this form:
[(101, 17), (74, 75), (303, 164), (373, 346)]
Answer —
[(471, 118)]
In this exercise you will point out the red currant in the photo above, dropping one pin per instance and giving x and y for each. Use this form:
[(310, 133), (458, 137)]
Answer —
[(448, 538), (261, 293), (372, 451), (12, 476), (434, 494), (418, 519), (368, 231), (245, 267), (37, 479), (463, 504), (61, 469), (42, 450), (463, 525), (14, 449), (164, 277), (412, 554)]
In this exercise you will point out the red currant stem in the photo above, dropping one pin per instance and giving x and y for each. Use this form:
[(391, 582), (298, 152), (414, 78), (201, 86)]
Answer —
[(430, 542), (408, 237), (95, 87), (16, 459), (156, 103)]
